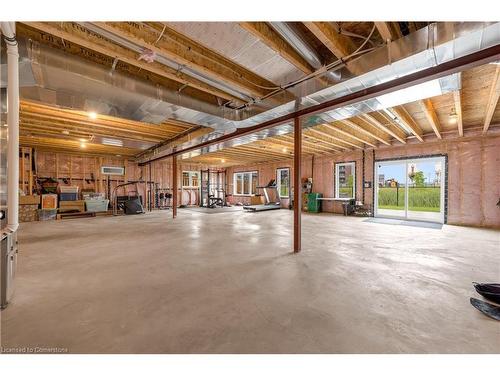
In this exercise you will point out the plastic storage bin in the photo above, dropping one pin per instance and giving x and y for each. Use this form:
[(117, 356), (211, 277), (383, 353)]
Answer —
[(68, 196), (68, 189), (94, 205), (47, 214)]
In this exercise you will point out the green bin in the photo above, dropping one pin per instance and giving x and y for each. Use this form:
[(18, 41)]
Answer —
[(313, 204)]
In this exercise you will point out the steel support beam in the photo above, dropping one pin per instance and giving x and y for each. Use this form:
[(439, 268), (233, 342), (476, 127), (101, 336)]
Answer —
[(174, 186), (297, 185)]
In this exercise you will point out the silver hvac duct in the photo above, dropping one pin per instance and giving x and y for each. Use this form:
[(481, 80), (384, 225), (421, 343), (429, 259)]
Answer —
[(428, 47), (68, 81), (302, 47), (165, 61)]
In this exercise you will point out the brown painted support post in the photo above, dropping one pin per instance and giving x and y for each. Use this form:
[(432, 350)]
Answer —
[(297, 186), (174, 186)]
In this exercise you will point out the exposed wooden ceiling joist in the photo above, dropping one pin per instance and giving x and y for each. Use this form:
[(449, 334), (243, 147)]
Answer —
[(274, 41), (430, 114), (368, 129), (408, 121), (338, 44), (349, 132), (457, 99), (330, 139), (492, 99), (66, 145), (384, 31), (398, 134)]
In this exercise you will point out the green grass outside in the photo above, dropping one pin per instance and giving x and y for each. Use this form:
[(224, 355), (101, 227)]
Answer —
[(420, 199)]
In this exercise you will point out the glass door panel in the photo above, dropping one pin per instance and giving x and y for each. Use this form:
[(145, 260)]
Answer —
[(425, 189), (390, 192)]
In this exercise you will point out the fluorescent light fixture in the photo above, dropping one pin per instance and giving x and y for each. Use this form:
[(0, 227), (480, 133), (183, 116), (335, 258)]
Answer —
[(411, 94), (112, 142)]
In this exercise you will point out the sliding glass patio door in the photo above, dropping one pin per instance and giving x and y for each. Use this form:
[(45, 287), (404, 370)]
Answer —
[(410, 189)]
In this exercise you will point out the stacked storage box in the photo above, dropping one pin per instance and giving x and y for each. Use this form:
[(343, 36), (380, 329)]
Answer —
[(95, 202), (68, 199), (68, 193), (49, 207)]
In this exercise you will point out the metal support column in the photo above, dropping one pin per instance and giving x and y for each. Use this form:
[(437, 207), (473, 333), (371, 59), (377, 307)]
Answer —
[(297, 186), (174, 186)]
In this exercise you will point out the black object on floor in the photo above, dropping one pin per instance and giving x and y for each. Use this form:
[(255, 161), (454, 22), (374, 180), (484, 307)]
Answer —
[(133, 206), (488, 291), (486, 308)]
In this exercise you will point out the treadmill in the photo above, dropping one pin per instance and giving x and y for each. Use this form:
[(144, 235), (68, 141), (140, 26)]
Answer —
[(268, 205)]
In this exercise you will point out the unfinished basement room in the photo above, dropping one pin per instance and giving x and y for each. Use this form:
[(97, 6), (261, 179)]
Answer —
[(250, 187)]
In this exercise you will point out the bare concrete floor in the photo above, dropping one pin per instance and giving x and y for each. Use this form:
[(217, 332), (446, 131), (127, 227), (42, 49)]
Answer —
[(228, 283)]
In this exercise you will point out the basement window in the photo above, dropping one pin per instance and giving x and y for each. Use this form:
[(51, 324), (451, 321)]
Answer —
[(190, 179), (283, 182), (345, 180), (245, 183)]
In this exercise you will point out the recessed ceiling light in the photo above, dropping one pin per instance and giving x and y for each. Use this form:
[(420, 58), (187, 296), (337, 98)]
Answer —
[(83, 145), (222, 160), (284, 149), (93, 115)]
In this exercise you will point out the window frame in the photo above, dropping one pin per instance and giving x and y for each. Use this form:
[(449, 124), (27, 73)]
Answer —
[(190, 177), (242, 173), (278, 181), (336, 177)]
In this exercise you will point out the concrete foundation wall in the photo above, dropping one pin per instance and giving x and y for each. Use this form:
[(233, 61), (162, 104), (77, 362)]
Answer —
[(473, 176)]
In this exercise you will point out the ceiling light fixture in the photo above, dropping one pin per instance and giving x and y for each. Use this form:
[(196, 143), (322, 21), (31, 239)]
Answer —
[(222, 160), (83, 145), (93, 115), (285, 150), (65, 132), (453, 116)]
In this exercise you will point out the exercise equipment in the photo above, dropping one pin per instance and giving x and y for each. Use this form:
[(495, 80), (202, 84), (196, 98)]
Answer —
[(163, 198), (130, 204), (268, 205), (212, 188)]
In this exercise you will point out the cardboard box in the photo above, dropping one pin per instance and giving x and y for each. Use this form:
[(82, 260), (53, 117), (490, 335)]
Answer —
[(49, 201), (29, 199)]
